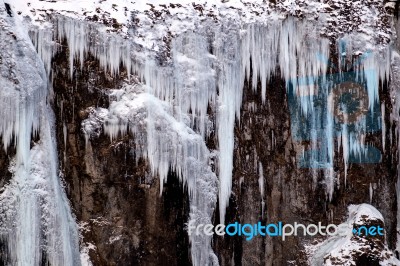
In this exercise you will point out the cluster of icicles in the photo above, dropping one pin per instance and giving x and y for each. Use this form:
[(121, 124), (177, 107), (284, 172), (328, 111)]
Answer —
[(206, 71)]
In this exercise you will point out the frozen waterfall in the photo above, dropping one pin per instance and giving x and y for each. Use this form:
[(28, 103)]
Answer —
[(178, 102), (36, 223)]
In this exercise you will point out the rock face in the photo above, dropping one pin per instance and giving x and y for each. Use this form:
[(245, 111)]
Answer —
[(122, 215)]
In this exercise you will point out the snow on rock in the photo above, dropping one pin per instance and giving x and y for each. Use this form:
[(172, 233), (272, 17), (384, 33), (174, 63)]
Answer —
[(353, 249), (152, 22), (351, 15)]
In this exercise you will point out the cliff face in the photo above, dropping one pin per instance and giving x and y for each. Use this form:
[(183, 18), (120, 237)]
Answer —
[(117, 201), (224, 113)]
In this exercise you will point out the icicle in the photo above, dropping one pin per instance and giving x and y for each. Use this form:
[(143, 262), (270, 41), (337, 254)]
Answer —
[(345, 145), (230, 84), (65, 133), (371, 192), (261, 187), (84, 37), (383, 127)]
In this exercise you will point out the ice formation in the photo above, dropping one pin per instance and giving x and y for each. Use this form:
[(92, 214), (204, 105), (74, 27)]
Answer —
[(169, 114), (167, 144), (36, 223), (208, 67)]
